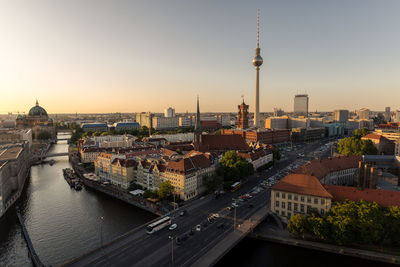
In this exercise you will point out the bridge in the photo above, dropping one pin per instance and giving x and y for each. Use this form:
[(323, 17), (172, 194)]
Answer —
[(202, 248)]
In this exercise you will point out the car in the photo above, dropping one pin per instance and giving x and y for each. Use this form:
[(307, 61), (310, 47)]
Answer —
[(210, 219), (178, 241), (235, 205), (182, 213), (198, 228), (173, 226), (216, 215)]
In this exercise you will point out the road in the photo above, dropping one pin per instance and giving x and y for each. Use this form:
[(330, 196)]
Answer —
[(142, 249)]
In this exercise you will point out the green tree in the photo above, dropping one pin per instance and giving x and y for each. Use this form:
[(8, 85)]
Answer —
[(234, 167), (297, 224), (358, 133), (356, 146), (134, 186), (317, 226), (150, 194), (165, 190), (213, 182), (276, 154)]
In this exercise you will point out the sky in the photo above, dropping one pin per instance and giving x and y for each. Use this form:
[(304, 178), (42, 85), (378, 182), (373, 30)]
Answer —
[(131, 56)]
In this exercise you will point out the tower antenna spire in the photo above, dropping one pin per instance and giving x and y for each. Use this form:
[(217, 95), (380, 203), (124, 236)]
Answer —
[(258, 28)]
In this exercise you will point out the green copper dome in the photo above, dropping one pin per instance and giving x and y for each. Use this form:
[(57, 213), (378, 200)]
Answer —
[(37, 110)]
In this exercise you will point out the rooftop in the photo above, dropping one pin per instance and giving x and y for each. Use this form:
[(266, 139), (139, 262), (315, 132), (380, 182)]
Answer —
[(384, 198), (302, 184), (10, 153)]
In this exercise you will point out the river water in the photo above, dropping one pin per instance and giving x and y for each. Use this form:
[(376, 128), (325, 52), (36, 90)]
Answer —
[(64, 224)]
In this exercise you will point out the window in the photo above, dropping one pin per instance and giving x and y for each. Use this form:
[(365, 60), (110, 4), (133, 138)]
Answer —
[(277, 194), (315, 200), (277, 204), (295, 206), (282, 213), (302, 198), (308, 199), (283, 205), (283, 195), (308, 209), (302, 207), (289, 205), (322, 201), (322, 211), (295, 198), (289, 196), (289, 214)]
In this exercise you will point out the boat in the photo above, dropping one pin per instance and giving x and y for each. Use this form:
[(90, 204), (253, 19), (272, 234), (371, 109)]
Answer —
[(72, 179)]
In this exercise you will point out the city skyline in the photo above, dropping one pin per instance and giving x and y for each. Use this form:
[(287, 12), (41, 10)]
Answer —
[(132, 57)]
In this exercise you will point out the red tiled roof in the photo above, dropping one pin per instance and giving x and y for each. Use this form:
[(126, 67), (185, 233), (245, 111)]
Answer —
[(385, 198), (125, 162), (188, 165), (254, 155), (301, 184), (167, 152), (210, 124), (141, 153), (320, 168), (372, 136), (223, 142)]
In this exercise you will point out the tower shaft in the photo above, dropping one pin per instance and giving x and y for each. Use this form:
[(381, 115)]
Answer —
[(257, 99)]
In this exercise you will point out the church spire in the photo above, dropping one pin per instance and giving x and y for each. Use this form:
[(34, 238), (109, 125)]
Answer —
[(197, 127)]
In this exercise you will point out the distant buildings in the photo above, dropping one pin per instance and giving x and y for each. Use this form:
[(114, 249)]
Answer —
[(267, 136), (94, 127), (126, 126), (37, 120), (278, 112), (382, 144), (397, 116), (8, 136), (169, 112), (163, 123), (301, 105), (363, 114), (145, 119), (387, 114), (341, 115)]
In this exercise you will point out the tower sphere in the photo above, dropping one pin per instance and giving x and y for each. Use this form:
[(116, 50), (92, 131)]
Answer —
[(257, 61)]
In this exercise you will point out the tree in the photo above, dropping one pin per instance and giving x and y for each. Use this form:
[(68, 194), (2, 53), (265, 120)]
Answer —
[(297, 224), (134, 186), (234, 167), (213, 182), (150, 194), (165, 190), (356, 146), (358, 133), (179, 151)]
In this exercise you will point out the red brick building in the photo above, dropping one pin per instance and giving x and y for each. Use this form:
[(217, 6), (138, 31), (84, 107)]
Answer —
[(267, 136)]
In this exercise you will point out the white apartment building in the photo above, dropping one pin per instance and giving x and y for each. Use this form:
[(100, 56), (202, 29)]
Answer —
[(160, 123)]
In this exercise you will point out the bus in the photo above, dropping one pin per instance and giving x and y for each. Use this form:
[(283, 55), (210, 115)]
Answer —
[(158, 225), (235, 186)]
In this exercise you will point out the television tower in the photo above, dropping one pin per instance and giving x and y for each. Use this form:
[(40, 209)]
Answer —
[(257, 62)]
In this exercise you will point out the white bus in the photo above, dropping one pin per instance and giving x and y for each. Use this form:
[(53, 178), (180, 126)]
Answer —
[(158, 225)]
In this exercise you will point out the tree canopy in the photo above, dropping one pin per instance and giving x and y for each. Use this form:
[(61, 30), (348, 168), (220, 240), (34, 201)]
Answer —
[(165, 190), (352, 222), (233, 167), (354, 145)]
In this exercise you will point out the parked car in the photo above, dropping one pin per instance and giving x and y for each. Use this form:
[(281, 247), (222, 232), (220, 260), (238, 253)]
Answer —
[(173, 226), (183, 212), (198, 228)]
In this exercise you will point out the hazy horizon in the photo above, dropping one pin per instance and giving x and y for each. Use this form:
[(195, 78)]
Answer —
[(132, 56)]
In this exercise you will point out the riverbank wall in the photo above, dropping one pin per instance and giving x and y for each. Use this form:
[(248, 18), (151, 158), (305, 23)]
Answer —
[(330, 248)]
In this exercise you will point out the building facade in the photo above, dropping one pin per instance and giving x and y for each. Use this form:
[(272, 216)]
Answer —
[(243, 116), (301, 105), (341, 115)]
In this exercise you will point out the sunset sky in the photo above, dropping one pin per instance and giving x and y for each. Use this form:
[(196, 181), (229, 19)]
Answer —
[(130, 56)]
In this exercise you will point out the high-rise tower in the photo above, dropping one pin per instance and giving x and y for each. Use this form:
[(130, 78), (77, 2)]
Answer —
[(257, 62), (243, 119)]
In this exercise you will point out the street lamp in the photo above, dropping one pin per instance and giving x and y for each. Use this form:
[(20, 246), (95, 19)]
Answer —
[(234, 216), (172, 248), (101, 232)]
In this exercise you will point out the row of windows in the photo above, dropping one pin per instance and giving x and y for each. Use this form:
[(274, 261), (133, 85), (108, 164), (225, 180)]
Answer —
[(289, 214), (295, 207), (296, 197)]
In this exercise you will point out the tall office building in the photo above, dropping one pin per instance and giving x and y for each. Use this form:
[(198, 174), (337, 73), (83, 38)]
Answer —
[(145, 119), (257, 62), (169, 112), (341, 115), (363, 114), (243, 116), (397, 116), (301, 105), (387, 114)]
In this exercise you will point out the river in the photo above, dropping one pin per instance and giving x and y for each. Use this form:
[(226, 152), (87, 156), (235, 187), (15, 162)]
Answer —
[(64, 224)]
